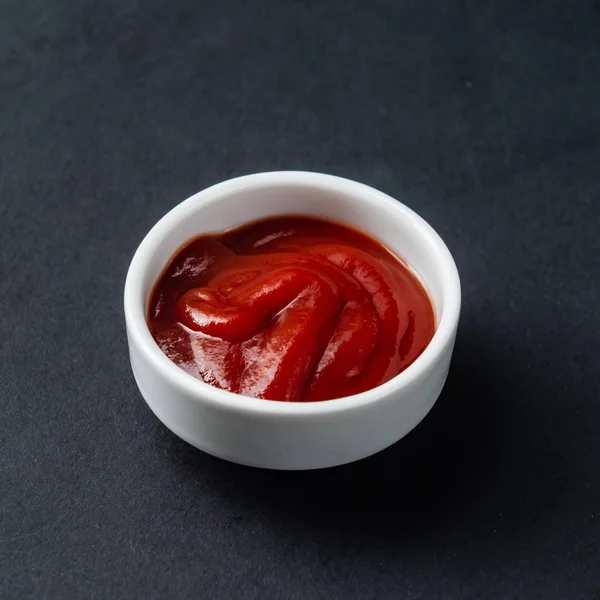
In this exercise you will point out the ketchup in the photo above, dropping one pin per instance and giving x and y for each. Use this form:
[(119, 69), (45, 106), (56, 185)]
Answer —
[(291, 308)]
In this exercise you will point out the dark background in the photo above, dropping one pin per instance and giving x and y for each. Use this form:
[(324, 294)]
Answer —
[(483, 116)]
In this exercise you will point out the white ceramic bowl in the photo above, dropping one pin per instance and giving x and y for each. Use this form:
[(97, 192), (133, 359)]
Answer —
[(282, 435)]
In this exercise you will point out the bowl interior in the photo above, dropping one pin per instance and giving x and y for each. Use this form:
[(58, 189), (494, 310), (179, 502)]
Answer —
[(247, 199)]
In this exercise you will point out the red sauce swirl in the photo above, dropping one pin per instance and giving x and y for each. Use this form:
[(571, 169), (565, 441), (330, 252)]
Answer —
[(291, 309)]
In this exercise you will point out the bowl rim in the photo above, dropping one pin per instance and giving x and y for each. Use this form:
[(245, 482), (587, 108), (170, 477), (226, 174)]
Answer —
[(135, 311)]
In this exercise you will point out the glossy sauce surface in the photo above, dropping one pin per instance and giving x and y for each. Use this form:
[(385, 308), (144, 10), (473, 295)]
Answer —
[(291, 309)]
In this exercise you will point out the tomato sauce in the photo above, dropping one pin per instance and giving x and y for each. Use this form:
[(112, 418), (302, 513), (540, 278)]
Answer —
[(292, 308)]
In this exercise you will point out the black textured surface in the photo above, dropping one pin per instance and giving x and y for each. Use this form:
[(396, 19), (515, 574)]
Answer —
[(482, 116)]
